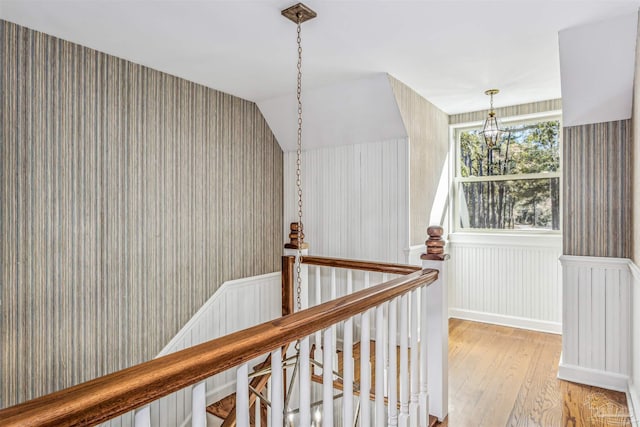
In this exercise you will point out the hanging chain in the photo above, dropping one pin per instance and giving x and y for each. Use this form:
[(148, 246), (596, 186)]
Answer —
[(298, 173)]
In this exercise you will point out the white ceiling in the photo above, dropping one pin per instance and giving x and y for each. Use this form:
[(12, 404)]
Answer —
[(597, 63), (448, 51), (353, 112)]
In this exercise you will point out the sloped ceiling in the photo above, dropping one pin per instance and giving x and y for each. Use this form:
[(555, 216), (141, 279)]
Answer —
[(597, 67), (447, 51), (357, 111)]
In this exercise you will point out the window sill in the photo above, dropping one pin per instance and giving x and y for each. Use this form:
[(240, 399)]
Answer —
[(504, 238)]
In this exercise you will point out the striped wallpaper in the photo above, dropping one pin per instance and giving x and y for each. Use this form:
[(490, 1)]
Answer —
[(511, 111), (127, 197), (428, 131), (597, 178)]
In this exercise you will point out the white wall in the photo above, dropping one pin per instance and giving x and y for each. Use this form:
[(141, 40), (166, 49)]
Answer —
[(596, 69), (356, 201), (634, 383), (351, 112), (596, 342), (510, 280)]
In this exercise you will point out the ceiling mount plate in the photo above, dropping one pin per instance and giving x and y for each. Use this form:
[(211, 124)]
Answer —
[(299, 12), (491, 92)]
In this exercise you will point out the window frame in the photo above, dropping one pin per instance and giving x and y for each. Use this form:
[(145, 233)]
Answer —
[(454, 133)]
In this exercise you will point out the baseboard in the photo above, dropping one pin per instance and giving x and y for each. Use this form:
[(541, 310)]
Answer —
[(593, 377), (503, 320)]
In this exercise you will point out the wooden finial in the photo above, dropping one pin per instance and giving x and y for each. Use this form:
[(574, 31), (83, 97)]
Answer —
[(435, 244), (293, 235)]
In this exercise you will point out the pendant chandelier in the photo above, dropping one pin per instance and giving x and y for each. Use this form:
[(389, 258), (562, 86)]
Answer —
[(297, 13), (492, 132)]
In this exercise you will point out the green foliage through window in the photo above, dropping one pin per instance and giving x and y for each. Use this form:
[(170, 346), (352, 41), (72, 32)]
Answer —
[(526, 200)]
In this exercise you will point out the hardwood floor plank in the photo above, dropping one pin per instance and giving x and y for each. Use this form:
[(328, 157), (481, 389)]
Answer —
[(500, 376)]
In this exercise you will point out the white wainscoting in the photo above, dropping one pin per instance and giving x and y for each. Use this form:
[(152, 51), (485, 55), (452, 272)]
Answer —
[(238, 304), (634, 381), (506, 279), (596, 344), (356, 201), (413, 253)]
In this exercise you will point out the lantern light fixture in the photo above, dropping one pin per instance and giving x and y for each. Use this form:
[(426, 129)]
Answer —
[(492, 132)]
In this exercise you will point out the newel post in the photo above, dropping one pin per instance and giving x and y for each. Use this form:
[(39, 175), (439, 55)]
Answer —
[(289, 294), (437, 318)]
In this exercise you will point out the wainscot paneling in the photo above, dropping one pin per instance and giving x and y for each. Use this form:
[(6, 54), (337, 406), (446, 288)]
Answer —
[(596, 341), (127, 197), (413, 253), (597, 189), (511, 280), (356, 201), (634, 380), (237, 305)]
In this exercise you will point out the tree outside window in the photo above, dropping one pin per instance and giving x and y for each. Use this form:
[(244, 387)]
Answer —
[(514, 186)]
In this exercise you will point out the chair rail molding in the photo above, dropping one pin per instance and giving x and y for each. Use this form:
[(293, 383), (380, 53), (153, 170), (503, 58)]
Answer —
[(597, 333)]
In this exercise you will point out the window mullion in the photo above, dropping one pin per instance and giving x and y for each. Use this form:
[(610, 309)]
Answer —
[(514, 177)]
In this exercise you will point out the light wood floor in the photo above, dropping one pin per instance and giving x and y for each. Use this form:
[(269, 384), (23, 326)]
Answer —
[(501, 376)]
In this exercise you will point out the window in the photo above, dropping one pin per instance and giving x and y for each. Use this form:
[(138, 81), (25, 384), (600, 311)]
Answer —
[(515, 186)]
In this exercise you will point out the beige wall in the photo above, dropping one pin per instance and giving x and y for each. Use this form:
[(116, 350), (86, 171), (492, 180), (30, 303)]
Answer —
[(428, 129), (511, 111), (127, 196)]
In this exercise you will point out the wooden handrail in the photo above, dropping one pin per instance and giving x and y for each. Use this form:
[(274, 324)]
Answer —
[(379, 267), (103, 398)]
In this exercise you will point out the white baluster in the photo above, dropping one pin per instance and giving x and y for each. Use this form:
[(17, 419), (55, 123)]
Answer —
[(413, 364), (365, 364), (334, 328), (305, 383), (257, 413), (269, 399), (385, 278), (403, 419), (143, 417), (347, 373), (199, 405), (380, 365), (318, 286), (393, 363), (327, 379), (277, 393), (334, 286), (424, 388), (317, 354), (242, 396)]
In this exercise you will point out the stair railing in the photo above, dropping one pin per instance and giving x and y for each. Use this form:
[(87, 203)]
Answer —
[(107, 397)]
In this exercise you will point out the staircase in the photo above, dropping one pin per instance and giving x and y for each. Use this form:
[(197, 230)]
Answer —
[(376, 304), (224, 409)]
